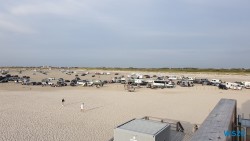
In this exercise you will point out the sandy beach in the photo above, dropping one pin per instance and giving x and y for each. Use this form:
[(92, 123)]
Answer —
[(36, 113)]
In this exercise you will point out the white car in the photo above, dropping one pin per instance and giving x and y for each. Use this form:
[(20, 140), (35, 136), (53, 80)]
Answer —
[(216, 81), (172, 77)]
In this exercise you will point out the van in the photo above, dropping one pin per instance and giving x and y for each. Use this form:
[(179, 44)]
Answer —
[(161, 84), (246, 85)]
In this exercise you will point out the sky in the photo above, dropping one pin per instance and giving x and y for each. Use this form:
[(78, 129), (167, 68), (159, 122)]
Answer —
[(125, 33)]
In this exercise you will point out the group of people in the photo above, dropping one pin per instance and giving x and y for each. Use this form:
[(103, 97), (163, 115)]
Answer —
[(81, 107)]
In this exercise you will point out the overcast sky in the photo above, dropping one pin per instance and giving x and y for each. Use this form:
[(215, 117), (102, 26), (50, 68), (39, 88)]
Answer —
[(125, 33)]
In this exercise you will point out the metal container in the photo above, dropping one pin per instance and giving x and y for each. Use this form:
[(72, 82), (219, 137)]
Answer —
[(142, 130)]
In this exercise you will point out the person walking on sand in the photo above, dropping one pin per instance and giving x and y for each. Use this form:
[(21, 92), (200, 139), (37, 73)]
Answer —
[(63, 102), (82, 107)]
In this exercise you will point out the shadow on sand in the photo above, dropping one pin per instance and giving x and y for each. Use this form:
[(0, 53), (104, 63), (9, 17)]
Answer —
[(87, 110)]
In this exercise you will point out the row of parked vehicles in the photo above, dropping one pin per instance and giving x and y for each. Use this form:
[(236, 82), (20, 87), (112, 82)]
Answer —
[(234, 85), (75, 82), (12, 78), (224, 85), (159, 82), (25, 80)]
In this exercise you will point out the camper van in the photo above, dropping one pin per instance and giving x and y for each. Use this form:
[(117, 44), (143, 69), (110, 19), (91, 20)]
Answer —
[(233, 86), (246, 84), (158, 84), (161, 84)]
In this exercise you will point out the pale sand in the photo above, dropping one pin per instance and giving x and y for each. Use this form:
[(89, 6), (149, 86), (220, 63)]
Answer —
[(35, 112)]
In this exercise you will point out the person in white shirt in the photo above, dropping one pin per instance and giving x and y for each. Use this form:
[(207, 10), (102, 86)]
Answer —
[(82, 107)]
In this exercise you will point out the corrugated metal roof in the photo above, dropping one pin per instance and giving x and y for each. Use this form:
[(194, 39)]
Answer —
[(144, 126)]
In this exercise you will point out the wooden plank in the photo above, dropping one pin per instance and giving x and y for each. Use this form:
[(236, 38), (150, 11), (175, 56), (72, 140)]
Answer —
[(219, 120)]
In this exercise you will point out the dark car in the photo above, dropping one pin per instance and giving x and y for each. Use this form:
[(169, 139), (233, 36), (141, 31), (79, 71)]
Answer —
[(61, 83), (38, 83), (205, 82), (7, 75), (105, 82), (73, 82), (4, 80), (66, 81), (202, 81), (222, 86)]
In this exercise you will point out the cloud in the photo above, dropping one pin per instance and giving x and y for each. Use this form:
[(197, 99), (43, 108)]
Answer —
[(14, 27), (136, 30), (40, 8)]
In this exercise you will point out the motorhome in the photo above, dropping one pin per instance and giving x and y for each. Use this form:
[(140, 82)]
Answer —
[(246, 85), (161, 84), (233, 86)]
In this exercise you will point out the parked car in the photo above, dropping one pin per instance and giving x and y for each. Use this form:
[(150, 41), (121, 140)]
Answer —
[(215, 82), (203, 81), (61, 83), (240, 83), (98, 82), (81, 82), (73, 82), (4, 80), (26, 82), (67, 81), (222, 86), (185, 83)]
